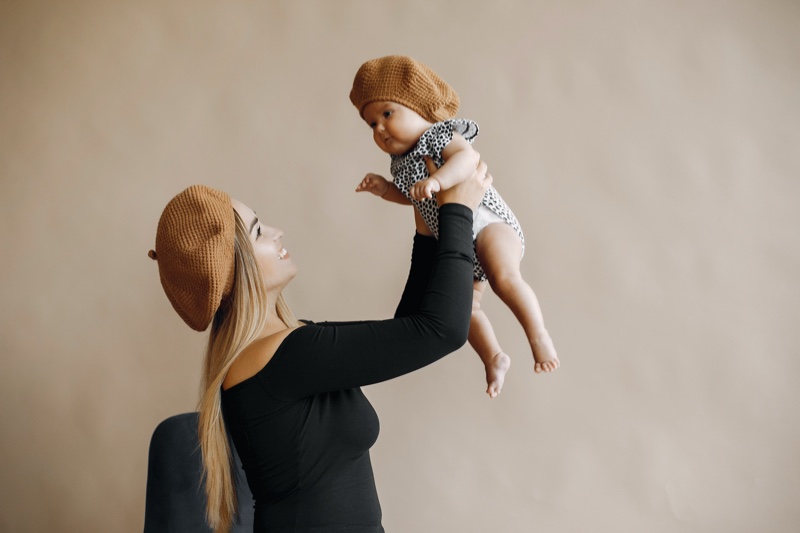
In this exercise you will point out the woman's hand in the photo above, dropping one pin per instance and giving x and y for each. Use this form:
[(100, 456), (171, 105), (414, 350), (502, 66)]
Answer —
[(469, 191)]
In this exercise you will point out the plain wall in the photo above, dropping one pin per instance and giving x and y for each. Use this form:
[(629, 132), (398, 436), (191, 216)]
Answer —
[(649, 149)]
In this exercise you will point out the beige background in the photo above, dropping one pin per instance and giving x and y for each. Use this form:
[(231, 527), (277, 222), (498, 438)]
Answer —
[(649, 148)]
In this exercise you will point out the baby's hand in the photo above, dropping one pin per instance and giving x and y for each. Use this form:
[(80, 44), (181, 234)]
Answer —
[(425, 189), (377, 185)]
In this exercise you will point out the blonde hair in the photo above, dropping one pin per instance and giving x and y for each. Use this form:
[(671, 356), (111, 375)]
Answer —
[(238, 322)]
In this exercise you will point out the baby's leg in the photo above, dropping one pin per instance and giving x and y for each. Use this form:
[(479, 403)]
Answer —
[(483, 341), (500, 252)]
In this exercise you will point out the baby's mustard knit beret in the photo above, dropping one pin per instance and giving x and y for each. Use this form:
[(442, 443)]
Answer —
[(195, 253), (408, 82)]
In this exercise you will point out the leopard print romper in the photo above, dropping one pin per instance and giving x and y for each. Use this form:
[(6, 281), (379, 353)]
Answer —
[(408, 169)]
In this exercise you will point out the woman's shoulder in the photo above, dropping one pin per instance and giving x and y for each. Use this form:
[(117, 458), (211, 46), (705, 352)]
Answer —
[(256, 356)]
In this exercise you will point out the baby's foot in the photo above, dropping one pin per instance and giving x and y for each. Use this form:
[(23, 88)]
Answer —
[(544, 353), (496, 373)]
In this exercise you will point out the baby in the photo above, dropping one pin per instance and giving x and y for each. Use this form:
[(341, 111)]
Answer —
[(410, 110)]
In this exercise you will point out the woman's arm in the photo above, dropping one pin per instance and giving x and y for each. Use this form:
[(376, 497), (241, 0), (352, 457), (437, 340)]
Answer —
[(423, 254), (318, 359), (315, 359)]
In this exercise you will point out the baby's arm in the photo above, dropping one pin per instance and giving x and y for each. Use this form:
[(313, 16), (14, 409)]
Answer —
[(380, 186), (387, 190), (460, 158)]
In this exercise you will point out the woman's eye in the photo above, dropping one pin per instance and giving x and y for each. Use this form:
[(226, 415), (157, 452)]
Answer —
[(258, 232)]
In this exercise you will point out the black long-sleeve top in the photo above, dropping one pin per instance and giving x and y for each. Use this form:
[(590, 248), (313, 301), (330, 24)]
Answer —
[(302, 426)]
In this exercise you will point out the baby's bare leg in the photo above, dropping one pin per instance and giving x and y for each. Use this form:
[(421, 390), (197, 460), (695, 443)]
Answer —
[(500, 252), (483, 341)]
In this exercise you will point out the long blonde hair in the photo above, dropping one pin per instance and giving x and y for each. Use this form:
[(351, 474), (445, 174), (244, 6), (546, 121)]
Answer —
[(238, 322)]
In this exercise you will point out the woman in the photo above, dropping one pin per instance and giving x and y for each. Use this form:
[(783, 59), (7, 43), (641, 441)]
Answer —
[(288, 392)]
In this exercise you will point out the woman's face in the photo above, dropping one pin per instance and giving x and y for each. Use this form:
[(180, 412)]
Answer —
[(276, 265)]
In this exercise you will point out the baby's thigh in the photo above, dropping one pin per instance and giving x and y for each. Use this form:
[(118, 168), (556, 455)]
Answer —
[(499, 249)]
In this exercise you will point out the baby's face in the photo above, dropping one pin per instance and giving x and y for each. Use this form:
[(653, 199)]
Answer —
[(395, 128)]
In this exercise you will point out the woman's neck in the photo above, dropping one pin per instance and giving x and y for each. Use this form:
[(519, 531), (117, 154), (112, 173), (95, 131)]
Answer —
[(274, 323)]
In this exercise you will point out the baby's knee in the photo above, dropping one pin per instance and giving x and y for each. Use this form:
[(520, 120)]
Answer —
[(505, 280)]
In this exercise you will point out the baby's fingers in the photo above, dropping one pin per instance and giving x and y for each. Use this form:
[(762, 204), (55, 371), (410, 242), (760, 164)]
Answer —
[(418, 192), (365, 184)]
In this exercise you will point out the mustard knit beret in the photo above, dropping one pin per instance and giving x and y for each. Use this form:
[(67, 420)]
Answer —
[(195, 253), (405, 81)]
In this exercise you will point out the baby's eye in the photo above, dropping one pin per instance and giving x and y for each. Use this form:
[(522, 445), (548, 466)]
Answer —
[(373, 124), (387, 114)]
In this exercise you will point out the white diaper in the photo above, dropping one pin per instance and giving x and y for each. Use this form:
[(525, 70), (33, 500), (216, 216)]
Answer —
[(482, 218)]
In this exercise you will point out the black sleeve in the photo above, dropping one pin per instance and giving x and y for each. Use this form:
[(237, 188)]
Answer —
[(423, 254), (314, 359)]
